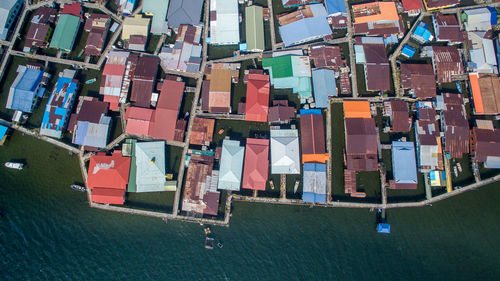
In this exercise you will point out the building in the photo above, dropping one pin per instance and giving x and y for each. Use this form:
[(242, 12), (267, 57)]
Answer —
[(370, 52), (481, 52), (419, 78), (135, 32), (202, 131), (200, 189), (312, 136), (327, 56), (9, 10), (485, 147), (125, 7), (256, 167), (114, 75), (216, 93), (144, 80), (412, 7), (335, 8), (67, 27), (377, 19), (184, 12), (257, 98), (224, 22), (485, 90), (163, 122), (314, 189), (428, 141), (148, 163), (431, 5), (408, 51), (40, 29), (324, 86), (138, 120), (157, 9), (60, 105), (89, 124), (447, 29), (479, 19), (357, 109), (185, 54), (422, 33), (108, 177), (285, 158), (290, 71), (455, 125), (404, 169), (297, 3), (280, 112), (231, 165), (97, 25), (254, 27), (397, 110), (446, 61), (361, 144), (27, 88)]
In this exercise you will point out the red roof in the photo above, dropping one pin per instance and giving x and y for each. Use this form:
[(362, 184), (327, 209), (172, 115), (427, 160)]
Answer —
[(256, 165), (113, 101), (167, 110), (74, 9), (107, 196), (113, 69), (257, 103), (138, 120), (410, 5)]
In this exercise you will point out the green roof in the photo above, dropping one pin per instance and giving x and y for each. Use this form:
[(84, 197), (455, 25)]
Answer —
[(280, 66), (254, 25), (65, 33), (132, 186)]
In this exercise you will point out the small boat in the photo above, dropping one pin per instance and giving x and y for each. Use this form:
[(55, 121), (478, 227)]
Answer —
[(220, 245), (14, 165), (78, 187), (90, 81), (209, 243)]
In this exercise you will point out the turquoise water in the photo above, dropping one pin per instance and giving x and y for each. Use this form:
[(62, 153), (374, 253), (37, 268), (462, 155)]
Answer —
[(48, 232)]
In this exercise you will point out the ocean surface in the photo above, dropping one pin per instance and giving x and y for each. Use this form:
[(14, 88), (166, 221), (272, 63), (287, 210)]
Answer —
[(48, 232)]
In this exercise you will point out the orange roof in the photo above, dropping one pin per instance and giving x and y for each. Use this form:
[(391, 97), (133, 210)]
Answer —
[(108, 171), (476, 93), (375, 11), (357, 109), (315, 158), (202, 130)]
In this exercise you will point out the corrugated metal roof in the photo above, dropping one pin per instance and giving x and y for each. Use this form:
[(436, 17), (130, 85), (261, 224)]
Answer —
[(150, 162), (231, 165), (257, 102), (335, 7), (159, 10), (184, 12), (224, 28), (22, 92), (285, 158), (65, 32), (324, 86), (254, 26), (304, 30), (256, 168), (404, 164), (314, 183)]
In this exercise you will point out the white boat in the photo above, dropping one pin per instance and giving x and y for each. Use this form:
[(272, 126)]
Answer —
[(14, 165)]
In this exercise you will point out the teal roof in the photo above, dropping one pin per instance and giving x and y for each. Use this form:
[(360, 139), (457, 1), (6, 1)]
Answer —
[(150, 164), (159, 9), (290, 72), (3, 131), (65, 33), (279, 66), (231, 165)]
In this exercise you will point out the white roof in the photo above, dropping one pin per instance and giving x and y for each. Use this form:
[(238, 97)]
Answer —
[(150, 162), (231, 165), (285, 157), (225, 29)]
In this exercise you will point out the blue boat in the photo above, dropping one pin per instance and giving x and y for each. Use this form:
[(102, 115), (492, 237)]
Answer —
[(383, 228), (78, 188)]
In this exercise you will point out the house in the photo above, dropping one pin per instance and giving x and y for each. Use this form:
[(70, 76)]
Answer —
[(163, 122), (357, 109), (125, 7), (419, 78), (370, 52), (217, 91), (200, 188), (185, 54), (148, 163), (408, 51), (184, 12), (135, 32), (422, 33), (290, 71), (114, 75), (143, 80), (485, 90), (446, 61), (485, 147), (447, 29), (67, 27), (256, 167), (231, 165), (27, 88), (324, 86), (40, 29), (97, 25), (361, 144), (327, 56), (60, 105), (202, 131), (158, 10), (455, 125), (431, 5), (404, 169), (297, 3), (280, 112), (479, 19), (428, 141), (257, 98), (304, 25), (481, 52), (108, 176), (138, 120), (285, 151), (335, 8), (377, 19), (89, 124), (412, 7), (224, 22), (254, 27), (312, 136), (9, 10), (397, 110), (314, 189)]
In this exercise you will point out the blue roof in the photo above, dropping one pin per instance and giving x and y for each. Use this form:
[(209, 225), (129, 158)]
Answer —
[(383, 228), (422, 32), (403, 162), (22, 93), (335, 6), (3, 131), (313, 197), (310, 111), (408, 51), (324, 86), (304, 30), (314, 182)]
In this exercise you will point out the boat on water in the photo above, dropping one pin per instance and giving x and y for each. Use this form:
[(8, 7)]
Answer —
[(14, 165), (209, 243), (78, 187)]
